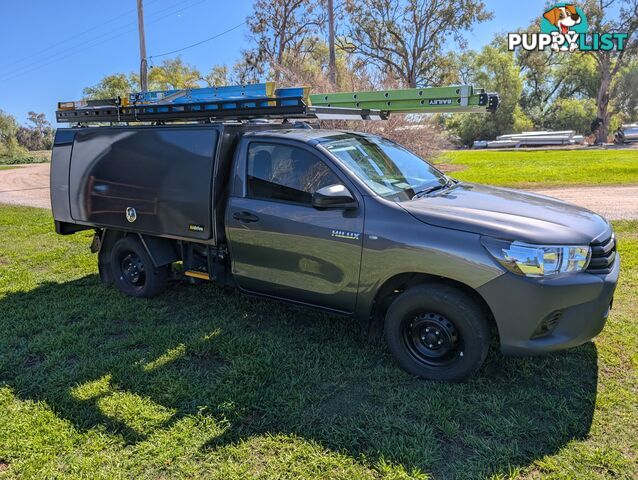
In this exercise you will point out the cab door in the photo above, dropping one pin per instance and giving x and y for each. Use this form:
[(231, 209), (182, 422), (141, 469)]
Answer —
[(280, 244)]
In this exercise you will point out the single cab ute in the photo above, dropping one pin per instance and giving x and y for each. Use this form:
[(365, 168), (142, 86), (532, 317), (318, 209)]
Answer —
[(347, 222)]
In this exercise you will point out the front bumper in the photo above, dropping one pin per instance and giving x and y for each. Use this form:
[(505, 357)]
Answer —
[(523, 306)]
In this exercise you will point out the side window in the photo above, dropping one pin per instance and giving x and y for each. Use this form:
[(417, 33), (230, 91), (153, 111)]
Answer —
[(281, 172)]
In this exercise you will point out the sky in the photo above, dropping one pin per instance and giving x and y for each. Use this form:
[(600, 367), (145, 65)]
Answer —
[(51, 50)]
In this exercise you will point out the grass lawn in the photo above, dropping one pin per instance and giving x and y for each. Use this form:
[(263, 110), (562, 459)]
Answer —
[(208, 384), (541, 168)]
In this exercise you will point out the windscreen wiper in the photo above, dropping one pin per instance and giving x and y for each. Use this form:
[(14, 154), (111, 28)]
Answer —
[(448, 182)]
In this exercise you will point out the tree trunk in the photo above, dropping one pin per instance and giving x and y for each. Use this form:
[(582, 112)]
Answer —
[(279, 60), (411, 80), (282, 47), (602, 100)]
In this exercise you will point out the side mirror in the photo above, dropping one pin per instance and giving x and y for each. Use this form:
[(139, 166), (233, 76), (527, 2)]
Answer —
[(334, 196)]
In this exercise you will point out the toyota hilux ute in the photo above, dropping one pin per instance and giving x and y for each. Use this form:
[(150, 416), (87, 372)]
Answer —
[(347, 222)]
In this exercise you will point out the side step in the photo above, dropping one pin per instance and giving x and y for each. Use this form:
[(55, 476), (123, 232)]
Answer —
[(197, 274)]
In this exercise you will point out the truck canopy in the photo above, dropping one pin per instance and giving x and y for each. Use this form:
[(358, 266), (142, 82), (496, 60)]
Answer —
[(175, 176)]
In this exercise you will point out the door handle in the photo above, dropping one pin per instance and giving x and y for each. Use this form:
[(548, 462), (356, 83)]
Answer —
[(246, 217)]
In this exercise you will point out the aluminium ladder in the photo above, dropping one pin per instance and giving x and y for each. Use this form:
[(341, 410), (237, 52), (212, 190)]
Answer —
[(454, 99), (264, 100)]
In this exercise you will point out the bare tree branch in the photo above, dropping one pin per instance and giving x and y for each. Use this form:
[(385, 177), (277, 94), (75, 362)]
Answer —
[(282, 27), (407, 37)]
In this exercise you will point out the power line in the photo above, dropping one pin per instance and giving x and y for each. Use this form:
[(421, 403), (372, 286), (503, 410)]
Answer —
[(68, 39), (74, 51), (124, 29), (79, 48), (198, 43)]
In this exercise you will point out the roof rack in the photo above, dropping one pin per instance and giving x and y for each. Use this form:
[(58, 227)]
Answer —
[(263, 100), (210, 111)]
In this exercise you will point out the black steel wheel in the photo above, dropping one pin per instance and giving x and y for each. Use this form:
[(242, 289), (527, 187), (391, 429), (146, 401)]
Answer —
[(133, 270), (437, 332), (431, 338)]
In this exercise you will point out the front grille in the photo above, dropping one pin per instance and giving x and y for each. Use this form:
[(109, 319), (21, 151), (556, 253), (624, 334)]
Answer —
[(603, 255)]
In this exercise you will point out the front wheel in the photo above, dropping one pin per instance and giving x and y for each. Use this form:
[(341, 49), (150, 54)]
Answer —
[(133, 270), (437, 332)]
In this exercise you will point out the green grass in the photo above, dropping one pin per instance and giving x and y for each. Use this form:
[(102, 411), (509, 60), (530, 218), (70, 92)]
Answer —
[(202, 383), (36, 156), (539, 168)]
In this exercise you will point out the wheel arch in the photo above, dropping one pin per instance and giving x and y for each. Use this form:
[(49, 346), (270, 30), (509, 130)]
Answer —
[(161, 250), (399, 283)]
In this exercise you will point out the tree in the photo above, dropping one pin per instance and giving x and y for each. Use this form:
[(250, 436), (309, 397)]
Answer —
[(611, 16), (571, 114), (217, 77), (463, 66), (112, 86), (313, 70), (495, 69), (249, 69), (282, 27), (406, 38), (625, 92), (173, 74), (549, 76), (8, 136), (38, 135)]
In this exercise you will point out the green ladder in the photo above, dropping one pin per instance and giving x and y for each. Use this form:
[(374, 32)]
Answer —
[(454, 99)]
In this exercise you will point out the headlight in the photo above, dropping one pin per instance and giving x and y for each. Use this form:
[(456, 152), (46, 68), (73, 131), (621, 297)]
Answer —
[(538, 260)]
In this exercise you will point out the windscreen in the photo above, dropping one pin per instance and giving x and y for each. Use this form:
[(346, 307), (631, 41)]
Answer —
[(387, 168)]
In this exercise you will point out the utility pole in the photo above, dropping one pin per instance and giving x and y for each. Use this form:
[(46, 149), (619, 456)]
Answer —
[(143, 65), (332, 67)]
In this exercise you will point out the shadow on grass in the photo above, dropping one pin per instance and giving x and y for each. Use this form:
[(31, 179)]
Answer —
[(137, 367)]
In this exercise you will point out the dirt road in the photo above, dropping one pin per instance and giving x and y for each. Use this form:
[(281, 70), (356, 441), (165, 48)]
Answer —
[(619, 202), (29, 185), (26, 185)]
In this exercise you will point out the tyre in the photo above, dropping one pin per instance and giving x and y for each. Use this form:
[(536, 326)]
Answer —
[(437, 332), (133, 271)]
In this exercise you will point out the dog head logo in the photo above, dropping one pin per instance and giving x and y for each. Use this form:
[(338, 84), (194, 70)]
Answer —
[(564, 22), (563, 18), (564, 28)]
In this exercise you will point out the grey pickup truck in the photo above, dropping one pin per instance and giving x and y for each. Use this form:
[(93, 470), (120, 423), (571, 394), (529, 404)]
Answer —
[(346, 222)]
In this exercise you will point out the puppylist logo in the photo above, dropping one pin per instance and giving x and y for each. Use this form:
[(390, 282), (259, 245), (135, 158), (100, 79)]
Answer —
[(564, 28)]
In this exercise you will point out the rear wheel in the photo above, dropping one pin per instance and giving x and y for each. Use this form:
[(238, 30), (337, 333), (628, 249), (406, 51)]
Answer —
[(437, 332), (133, 270)]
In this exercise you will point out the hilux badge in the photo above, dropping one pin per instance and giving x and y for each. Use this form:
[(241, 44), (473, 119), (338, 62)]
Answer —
[(346, 235), (131, 214)]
